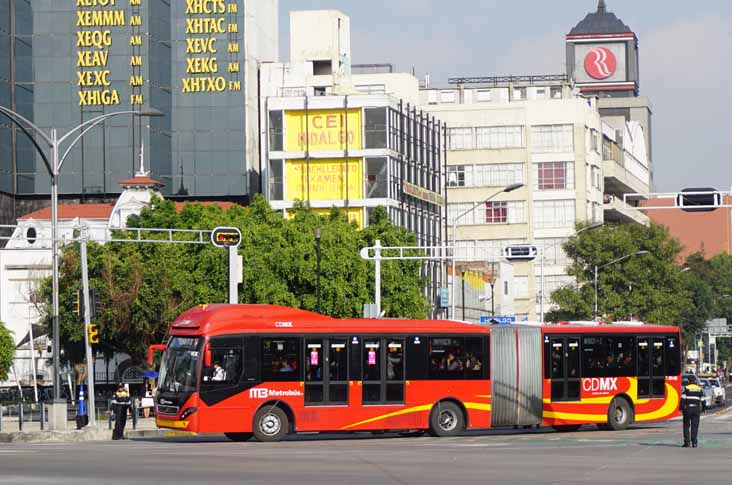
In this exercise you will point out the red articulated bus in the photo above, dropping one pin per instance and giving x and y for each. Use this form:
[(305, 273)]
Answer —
[(266, 371)]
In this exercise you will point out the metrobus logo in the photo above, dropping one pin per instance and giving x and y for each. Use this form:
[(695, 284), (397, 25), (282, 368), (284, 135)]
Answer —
[(264, 393), (601, 384)]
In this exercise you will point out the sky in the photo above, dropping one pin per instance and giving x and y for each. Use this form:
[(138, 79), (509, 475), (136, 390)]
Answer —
[(685, 60)]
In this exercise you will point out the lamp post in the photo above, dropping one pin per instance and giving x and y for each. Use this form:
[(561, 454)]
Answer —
[(54, 166), (543, 249), (318, 233), (597, 268), (510, 188)]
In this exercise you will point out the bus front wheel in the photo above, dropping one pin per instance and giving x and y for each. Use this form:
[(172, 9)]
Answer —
[(270, 424), (446, 419), (619, 414)]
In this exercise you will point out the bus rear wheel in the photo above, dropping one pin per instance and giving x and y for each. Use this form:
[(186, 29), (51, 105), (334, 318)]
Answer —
[(446, 420), (270, 424), (239, 437), (619, 414)]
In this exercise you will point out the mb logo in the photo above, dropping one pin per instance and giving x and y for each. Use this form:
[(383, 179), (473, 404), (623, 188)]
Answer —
[(258, 393)]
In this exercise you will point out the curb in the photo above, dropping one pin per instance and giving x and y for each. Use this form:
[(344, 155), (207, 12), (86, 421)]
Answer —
[(85, 435)]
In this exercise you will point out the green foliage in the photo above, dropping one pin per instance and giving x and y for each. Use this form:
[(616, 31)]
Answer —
[(143, 287), (648, 287), (7, 351)]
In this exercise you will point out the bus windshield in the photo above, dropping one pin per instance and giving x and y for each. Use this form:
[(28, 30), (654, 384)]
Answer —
[(179, 369)]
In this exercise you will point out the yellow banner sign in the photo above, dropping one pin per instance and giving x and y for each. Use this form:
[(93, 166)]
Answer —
[(354, 214), (320, 130), (324, 179)]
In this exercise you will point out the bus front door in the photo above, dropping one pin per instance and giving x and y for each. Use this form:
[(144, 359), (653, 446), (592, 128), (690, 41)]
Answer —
[(564, 368)]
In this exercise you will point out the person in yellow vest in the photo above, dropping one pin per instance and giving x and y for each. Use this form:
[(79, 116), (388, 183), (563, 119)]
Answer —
[(120, 402), (691, 408)]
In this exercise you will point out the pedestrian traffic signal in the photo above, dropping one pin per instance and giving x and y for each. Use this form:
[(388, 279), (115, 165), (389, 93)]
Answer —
[(93, 333)]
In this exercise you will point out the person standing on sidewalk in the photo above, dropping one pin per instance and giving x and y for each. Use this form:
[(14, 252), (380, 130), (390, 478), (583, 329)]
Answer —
[(691, 408), (120, 402)]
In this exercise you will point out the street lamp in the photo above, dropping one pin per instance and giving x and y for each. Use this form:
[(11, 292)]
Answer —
[(54, 167), (510, 188), (638, 253), (318, 233), (543, 249)]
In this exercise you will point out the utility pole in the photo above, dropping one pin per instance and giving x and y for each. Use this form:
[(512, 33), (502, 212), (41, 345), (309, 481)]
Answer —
[(91, 405)]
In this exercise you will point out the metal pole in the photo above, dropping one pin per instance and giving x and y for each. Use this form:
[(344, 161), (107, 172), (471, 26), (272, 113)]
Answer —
[(452, 278), (90, 412), (462, 285), (541, 290), (54, 266), (493, 297), (317, 290), (377, 278), (233, 278), (594, 313)]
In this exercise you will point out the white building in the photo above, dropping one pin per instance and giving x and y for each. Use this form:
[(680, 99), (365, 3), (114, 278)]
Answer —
[(539, 132)]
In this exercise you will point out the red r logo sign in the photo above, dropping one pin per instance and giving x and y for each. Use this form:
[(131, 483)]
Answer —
[(600, 63)]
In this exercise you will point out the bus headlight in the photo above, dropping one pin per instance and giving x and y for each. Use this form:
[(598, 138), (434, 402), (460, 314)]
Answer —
[(187, 413)]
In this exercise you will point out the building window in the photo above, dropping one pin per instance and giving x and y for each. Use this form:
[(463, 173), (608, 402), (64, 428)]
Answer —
[(483, 95), (553, 253), (499, 137), (519, 94), (552, 139), (541, 93), (371, 89), (448, 97), (275, 131), (554, 176), (456, 176), (377, 182), (496, 212), (554, 214), (461, 138), (375, 127), (276, 180), (496, 175), (556, 92)]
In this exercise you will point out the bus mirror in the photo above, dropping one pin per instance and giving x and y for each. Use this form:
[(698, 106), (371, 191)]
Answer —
[(207, 356), (151, 351)]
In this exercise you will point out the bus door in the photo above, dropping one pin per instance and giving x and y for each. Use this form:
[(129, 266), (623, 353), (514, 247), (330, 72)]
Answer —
[(383, 371), (651, 367), (326, 372), (564, 368)]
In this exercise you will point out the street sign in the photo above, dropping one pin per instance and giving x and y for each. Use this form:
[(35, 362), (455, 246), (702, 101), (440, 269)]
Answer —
[(498, 320), (444, 297), (226, 237), (521, 252)]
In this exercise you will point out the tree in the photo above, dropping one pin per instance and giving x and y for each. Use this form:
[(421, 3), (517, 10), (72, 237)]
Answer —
[(144, 287), (7, 351), (649, 287)]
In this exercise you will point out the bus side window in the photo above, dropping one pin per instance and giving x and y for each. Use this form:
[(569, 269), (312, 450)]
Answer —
[(355, 367), (281, 359), (251, 360), (417, 357), (673, 356)]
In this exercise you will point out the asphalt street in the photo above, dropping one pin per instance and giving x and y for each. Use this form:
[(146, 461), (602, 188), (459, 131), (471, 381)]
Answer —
[(644, 454)]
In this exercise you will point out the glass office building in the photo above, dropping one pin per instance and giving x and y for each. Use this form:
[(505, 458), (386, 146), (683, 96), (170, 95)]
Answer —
[(64, 62)]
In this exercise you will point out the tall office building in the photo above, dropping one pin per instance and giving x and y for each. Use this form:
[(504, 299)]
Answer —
[(196, 62)]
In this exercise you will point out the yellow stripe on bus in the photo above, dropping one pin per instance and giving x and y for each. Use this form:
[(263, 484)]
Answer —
[(416, 409)]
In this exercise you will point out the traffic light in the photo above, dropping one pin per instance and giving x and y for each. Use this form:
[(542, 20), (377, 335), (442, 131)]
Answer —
[(95, 303), (699, 200), (93, 333), (77, 303)]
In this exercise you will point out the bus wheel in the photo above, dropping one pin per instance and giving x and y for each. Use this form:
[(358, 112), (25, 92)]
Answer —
[(619, 415), (446, 420), (270, 424), (567, 428), (239, 437)]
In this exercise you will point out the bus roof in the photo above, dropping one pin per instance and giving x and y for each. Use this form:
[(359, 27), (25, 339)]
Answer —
[(230, 319)]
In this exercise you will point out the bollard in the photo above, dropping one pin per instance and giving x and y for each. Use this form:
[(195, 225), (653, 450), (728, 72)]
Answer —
[(43, 415), (110, 413), (1, 418), (134, 413), (20, 416)]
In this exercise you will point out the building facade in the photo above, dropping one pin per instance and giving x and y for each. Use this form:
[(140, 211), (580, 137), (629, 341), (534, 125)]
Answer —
[(195, 62)]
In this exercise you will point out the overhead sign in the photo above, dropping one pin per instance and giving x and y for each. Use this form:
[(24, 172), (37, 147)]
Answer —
[(498, 320), (423, 194), (226, 237)]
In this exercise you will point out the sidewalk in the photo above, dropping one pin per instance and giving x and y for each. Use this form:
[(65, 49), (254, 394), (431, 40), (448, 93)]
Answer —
[(146, 428)]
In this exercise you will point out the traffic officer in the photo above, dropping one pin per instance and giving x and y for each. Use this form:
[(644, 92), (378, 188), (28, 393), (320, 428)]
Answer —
[(691, 407), (120, 402)]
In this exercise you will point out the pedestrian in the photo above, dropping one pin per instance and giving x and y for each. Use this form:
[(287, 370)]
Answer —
[(120, 404), (691, 408), (147, 402)]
